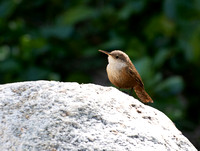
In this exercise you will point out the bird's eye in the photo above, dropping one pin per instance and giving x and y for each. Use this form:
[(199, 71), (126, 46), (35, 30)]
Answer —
[(117, 57)]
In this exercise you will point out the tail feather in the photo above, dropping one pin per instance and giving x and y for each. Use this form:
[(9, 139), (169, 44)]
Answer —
[(142, 94)]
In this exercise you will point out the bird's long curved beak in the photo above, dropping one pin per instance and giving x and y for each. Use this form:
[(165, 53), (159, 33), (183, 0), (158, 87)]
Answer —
[(104, 52)]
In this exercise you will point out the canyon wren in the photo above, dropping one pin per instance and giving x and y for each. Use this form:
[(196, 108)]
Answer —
[(123, 74)]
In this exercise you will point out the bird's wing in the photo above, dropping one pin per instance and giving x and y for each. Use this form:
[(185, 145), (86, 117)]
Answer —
[(133, 73), (139, 87)]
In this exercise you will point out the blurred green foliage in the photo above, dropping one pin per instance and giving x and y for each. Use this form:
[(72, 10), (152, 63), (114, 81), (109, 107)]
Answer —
[(59, 39)]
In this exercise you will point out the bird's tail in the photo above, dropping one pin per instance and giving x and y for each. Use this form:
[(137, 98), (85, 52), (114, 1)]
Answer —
[(142, 94)]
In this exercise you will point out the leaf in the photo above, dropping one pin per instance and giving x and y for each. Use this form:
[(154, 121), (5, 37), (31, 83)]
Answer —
[(4, 52), (90, 52), (159, 25), (75, 15), (195, 44), (35, 73), (6, 8), (135, 48), (144, 67), (170, 9), (10, 66), (78, 77), (61, 32), (114, 43), (180, 11), (170, 86), (130, 8), (161, 57)]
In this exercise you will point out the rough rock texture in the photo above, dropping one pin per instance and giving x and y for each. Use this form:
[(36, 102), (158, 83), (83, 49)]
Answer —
[(55, 116)]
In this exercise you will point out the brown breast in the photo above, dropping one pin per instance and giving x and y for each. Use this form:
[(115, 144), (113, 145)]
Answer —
[(120, 78)]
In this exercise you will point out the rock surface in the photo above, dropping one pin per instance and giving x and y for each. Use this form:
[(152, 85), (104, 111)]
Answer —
[(55, 116)]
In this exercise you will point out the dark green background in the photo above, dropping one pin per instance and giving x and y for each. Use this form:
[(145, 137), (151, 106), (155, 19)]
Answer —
[(59, 40)]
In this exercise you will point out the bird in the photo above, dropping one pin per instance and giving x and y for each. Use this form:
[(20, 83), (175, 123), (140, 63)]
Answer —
[(123, 74)]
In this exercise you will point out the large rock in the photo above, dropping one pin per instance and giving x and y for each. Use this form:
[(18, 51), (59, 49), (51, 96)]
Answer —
[(54, 116)]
